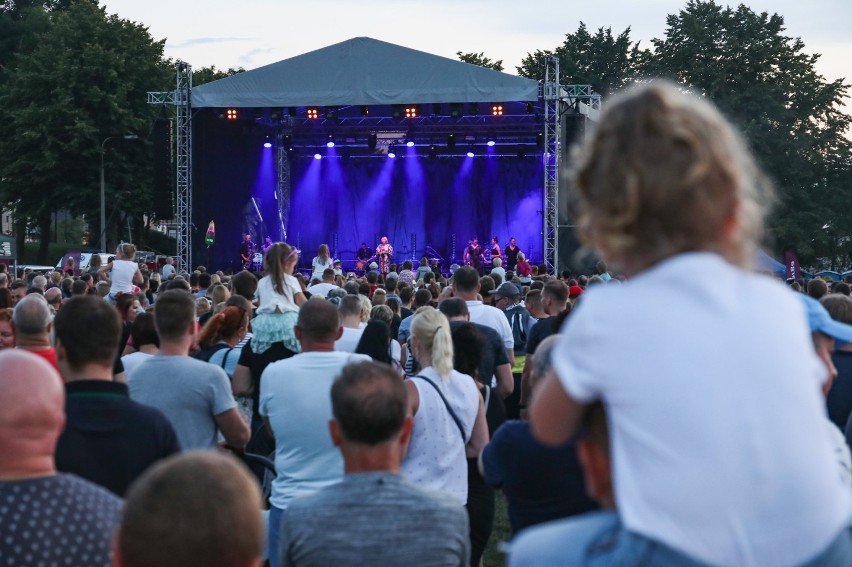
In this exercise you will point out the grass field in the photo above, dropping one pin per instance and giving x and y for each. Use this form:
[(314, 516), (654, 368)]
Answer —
[(493, 556)]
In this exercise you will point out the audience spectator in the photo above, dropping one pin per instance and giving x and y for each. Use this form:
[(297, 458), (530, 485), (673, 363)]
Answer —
[(349, 311), (32, 323), (403, 524), (7, 329), (194, 395), (294, 403), (47, 518), (108, 438), (146, 343), (667, 355), (193, 510), (541, 483), (448, 412)]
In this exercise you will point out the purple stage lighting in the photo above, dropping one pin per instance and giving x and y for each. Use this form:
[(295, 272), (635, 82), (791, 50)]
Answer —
[(490, 143), (409, 143), (469, 154), (391, 155), (317, 156), (267, 145), (329, 144)]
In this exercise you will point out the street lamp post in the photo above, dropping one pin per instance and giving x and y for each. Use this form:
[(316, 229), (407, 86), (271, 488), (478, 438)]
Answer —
[(103, 185)]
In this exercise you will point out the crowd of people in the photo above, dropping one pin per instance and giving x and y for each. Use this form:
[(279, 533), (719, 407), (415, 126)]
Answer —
[(677, 410)]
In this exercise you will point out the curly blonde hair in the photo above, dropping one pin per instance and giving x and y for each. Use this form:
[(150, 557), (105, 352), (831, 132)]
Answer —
[(665, 173)]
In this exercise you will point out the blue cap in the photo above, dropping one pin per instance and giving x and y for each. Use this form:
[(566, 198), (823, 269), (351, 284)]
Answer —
[(820, 320)]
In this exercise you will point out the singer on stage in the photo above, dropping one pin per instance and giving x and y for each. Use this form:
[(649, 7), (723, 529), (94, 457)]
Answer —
[(384, 253), (247, 248)]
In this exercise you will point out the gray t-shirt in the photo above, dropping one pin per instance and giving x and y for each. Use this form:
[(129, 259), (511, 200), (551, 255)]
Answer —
[(189, 392), (375, 518)]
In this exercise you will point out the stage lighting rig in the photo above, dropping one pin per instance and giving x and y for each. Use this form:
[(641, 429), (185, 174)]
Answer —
[(497, 109), (312, 112), (231, 114)]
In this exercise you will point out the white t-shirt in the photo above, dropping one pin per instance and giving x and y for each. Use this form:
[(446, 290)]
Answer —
[(492, 317), (295, 396), (134, 359), (348, 341), (319, 266), (121, 276), (717, 422), (270, 300), (322, 289), (436, 457)]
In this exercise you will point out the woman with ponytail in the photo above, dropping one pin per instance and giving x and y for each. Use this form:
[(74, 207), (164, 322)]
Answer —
[(449, 418), (280, 296), (219, 337)]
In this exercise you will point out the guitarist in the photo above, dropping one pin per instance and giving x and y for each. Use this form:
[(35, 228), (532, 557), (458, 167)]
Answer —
[(363, 256), (247, 248)]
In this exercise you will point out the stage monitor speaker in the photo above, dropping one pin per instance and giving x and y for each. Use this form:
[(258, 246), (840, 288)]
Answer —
[(163, 169)]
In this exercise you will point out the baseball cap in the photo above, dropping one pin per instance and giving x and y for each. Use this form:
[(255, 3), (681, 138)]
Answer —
[(820, 320), (575, 291), (506, 289)]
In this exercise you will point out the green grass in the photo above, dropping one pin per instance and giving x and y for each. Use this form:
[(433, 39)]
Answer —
[(493, 557)]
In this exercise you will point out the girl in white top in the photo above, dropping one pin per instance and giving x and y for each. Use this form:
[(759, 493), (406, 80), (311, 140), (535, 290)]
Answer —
[(280, 296), (124, 273), (439, 446), (321, 262)]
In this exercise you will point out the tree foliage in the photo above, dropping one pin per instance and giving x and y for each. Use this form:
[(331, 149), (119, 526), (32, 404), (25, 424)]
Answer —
[(791, 116), (204, 75), (602, 60), (83, 80), (481, 60)]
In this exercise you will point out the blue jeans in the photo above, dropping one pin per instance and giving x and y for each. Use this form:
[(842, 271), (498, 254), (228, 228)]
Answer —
[(273, 537), (599, 539)]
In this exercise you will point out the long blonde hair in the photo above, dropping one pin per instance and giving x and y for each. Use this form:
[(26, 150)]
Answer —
[(276, 258), (432, 330)]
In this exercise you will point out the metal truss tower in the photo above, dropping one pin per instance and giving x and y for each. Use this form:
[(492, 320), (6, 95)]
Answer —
[(551, 96), (180, 99), (283, 182)]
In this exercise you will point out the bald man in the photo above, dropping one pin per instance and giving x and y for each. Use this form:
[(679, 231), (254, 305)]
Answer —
[(46, 518)]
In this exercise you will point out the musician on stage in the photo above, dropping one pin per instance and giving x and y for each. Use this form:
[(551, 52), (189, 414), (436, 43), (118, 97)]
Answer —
[(473, 252), (267, 242), (363, 257), (511, 253), (496, 251), (384, 253), (247, 248)]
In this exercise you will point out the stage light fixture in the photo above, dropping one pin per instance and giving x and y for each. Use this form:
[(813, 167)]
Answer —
[(497, 109), (456, 110), (288, 142), (312, 112), (491, 143), (365, 110), (451, 141), (267, 145), (470, 153), (411, 111), (433, 150), (539, 140), (330, 141), (231, 114), (409, 143), (317, 156), (391, 154), (491, 140), (372, 141)]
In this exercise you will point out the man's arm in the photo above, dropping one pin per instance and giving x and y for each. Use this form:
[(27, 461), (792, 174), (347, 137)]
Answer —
[(505, 380), (554, 414), (233, 428)]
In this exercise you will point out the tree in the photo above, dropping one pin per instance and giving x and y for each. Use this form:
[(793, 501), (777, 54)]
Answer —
[(791, 116), (84, 80), (204, 75), (602, 60), (481, 60)]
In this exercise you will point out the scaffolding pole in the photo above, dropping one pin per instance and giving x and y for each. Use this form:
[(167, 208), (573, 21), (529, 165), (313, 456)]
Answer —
[(551, 96)]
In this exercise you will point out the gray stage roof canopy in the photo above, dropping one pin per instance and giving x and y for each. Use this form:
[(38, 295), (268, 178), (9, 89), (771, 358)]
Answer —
[(361, 71)]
